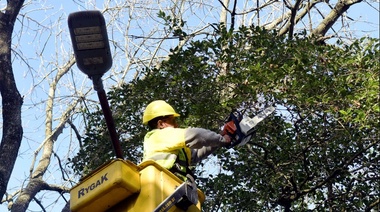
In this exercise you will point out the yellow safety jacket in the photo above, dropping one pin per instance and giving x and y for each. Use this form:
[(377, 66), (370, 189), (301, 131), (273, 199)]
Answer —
[(167, 148)]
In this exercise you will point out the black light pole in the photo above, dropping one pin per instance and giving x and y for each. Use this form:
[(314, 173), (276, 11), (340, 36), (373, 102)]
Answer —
[(93, 57)]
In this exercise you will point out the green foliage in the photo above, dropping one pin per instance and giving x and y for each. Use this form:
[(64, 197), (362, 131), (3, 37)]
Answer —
[(319, 150), (174, 24)]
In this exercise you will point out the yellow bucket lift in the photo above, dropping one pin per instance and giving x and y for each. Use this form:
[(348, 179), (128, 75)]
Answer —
[(120, 185)]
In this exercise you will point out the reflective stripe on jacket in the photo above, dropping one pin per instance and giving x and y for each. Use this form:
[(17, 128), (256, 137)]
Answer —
[(164, 146)]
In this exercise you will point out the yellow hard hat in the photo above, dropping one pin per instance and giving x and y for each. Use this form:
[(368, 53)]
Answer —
[(156, 109)]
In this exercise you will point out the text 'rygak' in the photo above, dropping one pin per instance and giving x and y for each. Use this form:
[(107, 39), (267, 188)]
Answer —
[(84, 191)]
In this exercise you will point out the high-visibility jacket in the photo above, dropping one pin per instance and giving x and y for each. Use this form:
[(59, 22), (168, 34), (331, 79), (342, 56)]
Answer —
[(178, 147), (167, 147)]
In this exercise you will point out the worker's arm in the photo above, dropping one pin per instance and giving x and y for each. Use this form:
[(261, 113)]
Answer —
[(203, 142), (196, 138), (199, 154)]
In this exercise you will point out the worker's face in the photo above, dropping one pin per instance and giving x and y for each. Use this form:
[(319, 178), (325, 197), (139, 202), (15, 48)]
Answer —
[(169, 121)]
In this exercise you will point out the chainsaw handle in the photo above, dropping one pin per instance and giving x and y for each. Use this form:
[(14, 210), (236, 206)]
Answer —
[(237, 136), (244, 128)]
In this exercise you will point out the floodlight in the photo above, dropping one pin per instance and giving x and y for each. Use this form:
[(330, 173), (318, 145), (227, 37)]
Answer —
[(90, 42)]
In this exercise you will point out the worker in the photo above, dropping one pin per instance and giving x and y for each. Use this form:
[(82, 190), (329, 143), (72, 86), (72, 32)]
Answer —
[(176, 148)]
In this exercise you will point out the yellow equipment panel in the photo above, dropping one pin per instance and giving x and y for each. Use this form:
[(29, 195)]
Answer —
[(157, 183), (105, 187)]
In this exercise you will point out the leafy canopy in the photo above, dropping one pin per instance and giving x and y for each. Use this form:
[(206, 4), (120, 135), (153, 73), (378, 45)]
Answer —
[(320, 150)]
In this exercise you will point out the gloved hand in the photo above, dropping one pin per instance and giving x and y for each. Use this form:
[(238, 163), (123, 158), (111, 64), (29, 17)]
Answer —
[(228, 132), (228, 139), (232, 129), (229, 129)]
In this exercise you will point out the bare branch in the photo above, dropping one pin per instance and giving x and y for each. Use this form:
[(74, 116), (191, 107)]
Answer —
[(40, 204), (341, 7), (34, 186)]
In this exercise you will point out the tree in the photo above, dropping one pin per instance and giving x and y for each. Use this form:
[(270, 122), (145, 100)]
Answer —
[(319, 151), (11, 98), (315, 152), (58, 98)]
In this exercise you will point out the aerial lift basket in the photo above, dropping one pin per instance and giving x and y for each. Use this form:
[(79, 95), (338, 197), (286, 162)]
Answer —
[(105, 187)]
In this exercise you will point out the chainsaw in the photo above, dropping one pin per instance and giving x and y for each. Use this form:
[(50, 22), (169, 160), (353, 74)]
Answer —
[(241, 129)]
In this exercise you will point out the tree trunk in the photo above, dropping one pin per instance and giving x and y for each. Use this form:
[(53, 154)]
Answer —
[(11, 98)]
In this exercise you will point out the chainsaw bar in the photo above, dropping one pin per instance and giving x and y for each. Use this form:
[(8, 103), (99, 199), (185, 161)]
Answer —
[(247, 124)]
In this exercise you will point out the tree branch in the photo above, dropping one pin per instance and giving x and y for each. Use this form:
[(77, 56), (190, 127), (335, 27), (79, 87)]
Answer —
[(34, 186), (341, 7), (41, 168)]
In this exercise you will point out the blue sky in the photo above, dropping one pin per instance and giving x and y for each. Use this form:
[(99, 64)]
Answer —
[(369, 16), (33, 119)]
